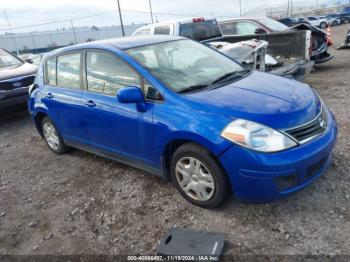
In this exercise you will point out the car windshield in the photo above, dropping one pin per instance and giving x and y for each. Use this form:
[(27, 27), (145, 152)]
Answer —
[(8, 60), (185, 64), (273, 24), (201, 30)]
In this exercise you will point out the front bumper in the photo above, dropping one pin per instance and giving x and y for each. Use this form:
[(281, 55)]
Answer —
[(13, 98), (265, 177)]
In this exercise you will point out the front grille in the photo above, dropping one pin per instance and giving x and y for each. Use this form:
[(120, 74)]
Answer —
[(17, 83), (314, 169), (311, 129)]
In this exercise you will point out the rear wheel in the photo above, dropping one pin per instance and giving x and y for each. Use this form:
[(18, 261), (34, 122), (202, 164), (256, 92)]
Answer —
[(52, 137), (198, 177), (334, 23), (346, 20)]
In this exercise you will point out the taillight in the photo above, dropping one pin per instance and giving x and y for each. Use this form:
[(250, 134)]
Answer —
[(197, 20), (311, 48)]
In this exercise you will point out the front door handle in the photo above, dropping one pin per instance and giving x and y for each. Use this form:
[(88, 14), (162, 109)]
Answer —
[(90, 103), (49, 95)]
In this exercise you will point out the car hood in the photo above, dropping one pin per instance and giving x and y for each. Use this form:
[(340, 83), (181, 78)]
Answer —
[(23, 70), (261, 97)]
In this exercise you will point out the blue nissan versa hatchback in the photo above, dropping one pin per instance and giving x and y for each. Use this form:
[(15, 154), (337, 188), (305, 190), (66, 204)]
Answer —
[(179, 109)]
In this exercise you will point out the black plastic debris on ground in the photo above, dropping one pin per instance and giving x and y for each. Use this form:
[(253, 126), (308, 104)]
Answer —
[(185, 242)]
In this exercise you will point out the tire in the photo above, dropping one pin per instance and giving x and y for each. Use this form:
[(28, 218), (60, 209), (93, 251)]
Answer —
[(52, 137), (208, 172), (334, 23), (346, 21), (323, 25)]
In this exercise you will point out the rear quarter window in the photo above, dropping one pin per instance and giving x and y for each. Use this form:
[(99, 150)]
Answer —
[(51, 71), (162, 30)]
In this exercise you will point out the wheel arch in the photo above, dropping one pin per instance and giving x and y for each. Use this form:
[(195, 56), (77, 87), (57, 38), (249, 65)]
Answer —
[(173, 144), (38, 117)]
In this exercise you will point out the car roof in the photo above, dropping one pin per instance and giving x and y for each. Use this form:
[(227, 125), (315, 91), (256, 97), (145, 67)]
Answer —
[(120, 43), (175, 21), (181, 21)]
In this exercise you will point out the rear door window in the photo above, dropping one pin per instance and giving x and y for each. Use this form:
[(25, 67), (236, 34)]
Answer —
[(68, 70), (246, 28), (228, 28), (107, 73), (239, 28)]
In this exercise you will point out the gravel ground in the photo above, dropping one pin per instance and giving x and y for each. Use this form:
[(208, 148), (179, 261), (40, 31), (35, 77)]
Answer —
[(82, 204)]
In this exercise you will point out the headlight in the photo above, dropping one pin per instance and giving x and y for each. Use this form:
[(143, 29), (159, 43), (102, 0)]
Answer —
[(257, 136)]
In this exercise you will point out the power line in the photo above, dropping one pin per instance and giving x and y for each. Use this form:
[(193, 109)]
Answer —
[(10, 29), (57, 21), (96, 15)]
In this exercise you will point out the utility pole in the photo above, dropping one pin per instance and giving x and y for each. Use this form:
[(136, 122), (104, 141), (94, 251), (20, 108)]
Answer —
[(240, 8), (10, 30), (120, 18), (291, 8), (150, 8), (288, 8), (75, 36)]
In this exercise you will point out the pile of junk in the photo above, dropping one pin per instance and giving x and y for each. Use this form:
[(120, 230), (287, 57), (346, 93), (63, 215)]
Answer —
[(291, 53), (253, 54)]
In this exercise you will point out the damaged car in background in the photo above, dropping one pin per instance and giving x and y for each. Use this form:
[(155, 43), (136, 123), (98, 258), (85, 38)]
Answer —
[(253, 54), (287, 53), (261, 28)]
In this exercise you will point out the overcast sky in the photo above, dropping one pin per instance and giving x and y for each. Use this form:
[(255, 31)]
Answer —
[(22, 13)]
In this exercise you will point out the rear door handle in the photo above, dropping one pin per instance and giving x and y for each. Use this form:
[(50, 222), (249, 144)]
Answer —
[(49, 95), (90, 103)]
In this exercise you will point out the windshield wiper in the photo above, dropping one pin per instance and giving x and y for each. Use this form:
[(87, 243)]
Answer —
[(229, 75), (191, 88)]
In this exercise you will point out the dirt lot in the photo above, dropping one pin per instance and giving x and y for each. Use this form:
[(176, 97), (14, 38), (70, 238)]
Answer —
[(82, 204)]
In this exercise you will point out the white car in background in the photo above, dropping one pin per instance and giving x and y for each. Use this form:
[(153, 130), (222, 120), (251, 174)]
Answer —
[(316, 21), (195, 28), (332, 21)]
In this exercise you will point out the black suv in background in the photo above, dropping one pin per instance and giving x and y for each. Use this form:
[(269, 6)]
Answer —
[(16, 76)]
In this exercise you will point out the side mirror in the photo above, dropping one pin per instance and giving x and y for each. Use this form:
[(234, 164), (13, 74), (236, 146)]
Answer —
[(259, 31), (30, 61), (130, 94)]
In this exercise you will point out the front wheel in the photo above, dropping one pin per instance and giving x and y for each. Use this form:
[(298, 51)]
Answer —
[(198, 177), (52, 136), (334, 23), (323, 25)]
